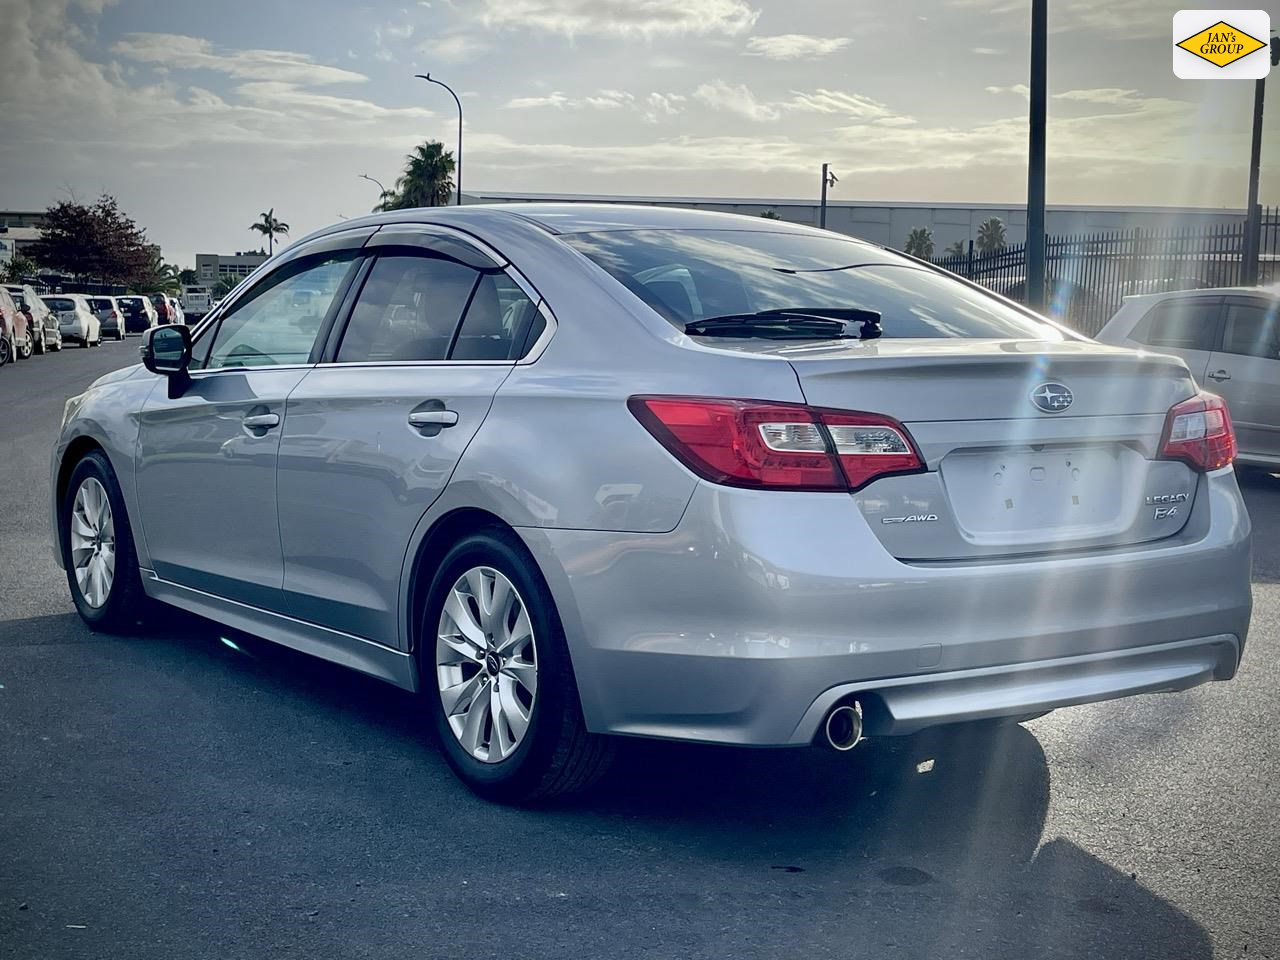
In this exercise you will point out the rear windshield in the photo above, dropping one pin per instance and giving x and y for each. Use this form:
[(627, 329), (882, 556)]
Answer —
[(59, 303), (694, 274), (131, 305), (100, 303)]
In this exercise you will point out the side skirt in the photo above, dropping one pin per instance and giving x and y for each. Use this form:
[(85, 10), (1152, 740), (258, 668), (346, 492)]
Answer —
[(357, 653)]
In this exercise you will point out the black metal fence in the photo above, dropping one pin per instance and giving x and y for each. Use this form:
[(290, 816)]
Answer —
[(1088, 275)]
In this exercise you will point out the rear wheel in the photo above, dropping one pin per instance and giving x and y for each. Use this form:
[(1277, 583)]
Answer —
[(25, 348), (97, 548), (6, 350), (500, 686), (40, 346)]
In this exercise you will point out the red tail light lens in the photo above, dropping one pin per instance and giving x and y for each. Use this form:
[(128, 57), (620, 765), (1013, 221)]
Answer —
[(748, 443), (1199, 432)]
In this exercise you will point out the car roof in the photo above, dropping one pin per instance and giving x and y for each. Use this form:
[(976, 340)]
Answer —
[(558, 218), (1271, 290)]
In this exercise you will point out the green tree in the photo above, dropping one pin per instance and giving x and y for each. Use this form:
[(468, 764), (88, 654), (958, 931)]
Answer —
[(771, 214), (188, 277), (270, 227), (224, 285), (18, 268), (427, 180), (990, 236), (93, 242), (920, 243), (957, 249)]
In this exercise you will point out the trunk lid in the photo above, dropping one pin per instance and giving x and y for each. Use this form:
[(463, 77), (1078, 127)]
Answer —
[(1013, 468)]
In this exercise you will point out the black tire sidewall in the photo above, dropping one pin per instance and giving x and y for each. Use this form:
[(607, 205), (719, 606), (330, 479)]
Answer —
[(516, 776), (122, 608)]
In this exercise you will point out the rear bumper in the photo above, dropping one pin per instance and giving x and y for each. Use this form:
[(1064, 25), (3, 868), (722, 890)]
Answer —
[(761, 610)]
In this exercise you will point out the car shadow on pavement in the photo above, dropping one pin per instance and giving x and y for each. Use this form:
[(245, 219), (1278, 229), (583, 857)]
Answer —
[(1261, 491), (932, 846)]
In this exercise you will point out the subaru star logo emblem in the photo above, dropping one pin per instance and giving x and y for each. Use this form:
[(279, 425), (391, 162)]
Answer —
[(1052, 397)]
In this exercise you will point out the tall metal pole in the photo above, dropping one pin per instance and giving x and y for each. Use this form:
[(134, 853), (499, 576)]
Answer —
[(1036, 153), (458, 164), (1252, 225), (822, 208)]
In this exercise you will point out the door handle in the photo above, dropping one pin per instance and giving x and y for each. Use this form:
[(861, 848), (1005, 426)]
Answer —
[(261, 421), (433, 418), (1219, 375)]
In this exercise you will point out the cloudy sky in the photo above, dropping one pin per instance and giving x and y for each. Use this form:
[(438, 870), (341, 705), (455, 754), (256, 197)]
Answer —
[(198, 115)]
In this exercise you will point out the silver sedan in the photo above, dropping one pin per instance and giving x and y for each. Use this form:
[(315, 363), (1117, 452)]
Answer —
[(574, 472)]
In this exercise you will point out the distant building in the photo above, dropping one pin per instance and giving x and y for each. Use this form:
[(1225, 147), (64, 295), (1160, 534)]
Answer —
[(212, 267), (889, 222), (19, 218)]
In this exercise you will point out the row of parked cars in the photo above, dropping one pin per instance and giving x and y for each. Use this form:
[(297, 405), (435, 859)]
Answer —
[(33, 324)]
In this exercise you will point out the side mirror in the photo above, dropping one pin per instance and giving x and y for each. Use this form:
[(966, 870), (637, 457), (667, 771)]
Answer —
[(166, 350)]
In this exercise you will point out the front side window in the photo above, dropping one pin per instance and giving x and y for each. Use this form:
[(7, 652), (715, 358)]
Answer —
[(279, 322), (408, 309), (1181, 325), (1252, 329), (688, 275)]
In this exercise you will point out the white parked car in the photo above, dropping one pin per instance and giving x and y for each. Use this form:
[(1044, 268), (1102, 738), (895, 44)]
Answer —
[(76, 319), (1230, 338)]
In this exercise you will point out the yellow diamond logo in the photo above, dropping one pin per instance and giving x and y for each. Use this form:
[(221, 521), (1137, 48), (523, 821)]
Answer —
[(1222, 44)]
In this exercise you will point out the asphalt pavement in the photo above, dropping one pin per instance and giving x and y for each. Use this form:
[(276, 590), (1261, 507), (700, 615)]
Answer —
[(169, 796)]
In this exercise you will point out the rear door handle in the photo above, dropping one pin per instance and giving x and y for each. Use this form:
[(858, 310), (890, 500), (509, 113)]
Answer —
[(433, 418), (262, 421), (1219, 375)]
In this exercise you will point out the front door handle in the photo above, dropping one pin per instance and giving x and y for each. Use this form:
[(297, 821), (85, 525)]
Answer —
[(262, 421), (433, 418), (1219, 375)]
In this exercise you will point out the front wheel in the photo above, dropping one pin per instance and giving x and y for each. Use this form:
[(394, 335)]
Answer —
[(496, 669), (25, 349), (97, 548), (6, 350)]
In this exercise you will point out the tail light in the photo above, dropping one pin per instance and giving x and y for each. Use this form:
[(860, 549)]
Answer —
[(1199, 432), (751, 443)]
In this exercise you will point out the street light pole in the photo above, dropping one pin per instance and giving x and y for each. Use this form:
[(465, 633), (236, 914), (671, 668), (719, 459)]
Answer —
[(375, 181), (829, 179), (1036, 153), (458, 165)]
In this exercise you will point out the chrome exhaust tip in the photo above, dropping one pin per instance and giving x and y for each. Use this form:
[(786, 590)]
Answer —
[(843, 727)]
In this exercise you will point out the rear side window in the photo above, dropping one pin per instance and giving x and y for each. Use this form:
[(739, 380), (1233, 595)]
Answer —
[(497, 321), (414, 307), (408, 309), (689, 275), (1181, 325), (1252, 330)]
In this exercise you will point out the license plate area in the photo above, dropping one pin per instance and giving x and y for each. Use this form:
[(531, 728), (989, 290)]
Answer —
[(1023, 495)]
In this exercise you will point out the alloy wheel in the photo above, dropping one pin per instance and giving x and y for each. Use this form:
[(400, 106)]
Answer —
[(93, 542), (486, 664)]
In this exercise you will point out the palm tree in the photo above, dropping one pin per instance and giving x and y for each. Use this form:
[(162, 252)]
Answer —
[(990, 236), (920, 243), (957, 249), (270, 227), (427, 180)]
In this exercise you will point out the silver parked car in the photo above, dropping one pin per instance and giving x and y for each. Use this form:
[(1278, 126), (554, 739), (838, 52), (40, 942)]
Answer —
[(580, 471), (1230, 338), (109, 314), (76, 319)]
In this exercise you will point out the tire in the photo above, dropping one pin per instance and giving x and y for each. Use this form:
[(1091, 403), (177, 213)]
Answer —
[(85, 344), (555, 754), (24, 352), (118, 608), (40, 346), (6, 350)]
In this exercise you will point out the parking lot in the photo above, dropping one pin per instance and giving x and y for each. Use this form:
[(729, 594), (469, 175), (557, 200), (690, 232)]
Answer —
[(170, 795)]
